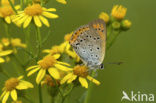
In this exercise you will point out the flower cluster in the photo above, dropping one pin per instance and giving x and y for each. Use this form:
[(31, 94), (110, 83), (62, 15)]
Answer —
[(60, 68), (116, 19), (116, 23)]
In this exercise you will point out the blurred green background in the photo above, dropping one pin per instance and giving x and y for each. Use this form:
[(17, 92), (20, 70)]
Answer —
[(136, 47)]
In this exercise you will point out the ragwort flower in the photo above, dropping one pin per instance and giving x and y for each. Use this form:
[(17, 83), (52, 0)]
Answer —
[(11, 86), (119, 12), (6, 11), (80, 72), (64, 47), (37, 13), (14, 42), (48, 63)]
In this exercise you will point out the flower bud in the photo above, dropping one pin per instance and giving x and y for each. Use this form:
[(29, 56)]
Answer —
[(104, 16), (116, 25), (126, 24), (118, 12)]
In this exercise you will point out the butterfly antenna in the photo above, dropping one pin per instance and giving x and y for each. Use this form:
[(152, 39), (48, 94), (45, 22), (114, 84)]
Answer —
[(117, 63)]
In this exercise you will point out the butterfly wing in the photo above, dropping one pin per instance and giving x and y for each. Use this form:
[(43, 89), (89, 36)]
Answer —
[(89, 44)]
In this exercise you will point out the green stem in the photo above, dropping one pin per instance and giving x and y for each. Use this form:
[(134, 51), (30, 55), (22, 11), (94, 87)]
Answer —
[(40, 94), (37, 57), (21, 4), (89, 89), (12, 6), (7, 31), (63, 98), (41, 2), (27, 37), (111, 41), (39, 43)]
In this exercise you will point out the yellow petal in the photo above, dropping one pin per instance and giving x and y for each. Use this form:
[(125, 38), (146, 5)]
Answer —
[(28, 84), (73, 77), (20, 16), (5, 98), (40, 75), (44, 21), (93, 80), (71, 53), (49, 15), (27, 21), (24, 85), (8, 19), (63, 68), (46, 51), (2, 95), (31, 67), (68, 76), (54, 73), (83, 82), (21, 20), (63, 63), (6, 52), (62, 1), (37, 21), (33, 71), (20, 77), (14, 95), (2, 60), (50, 9), (17, 7), (56, 56)]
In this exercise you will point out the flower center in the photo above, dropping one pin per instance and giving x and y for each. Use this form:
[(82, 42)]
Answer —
[(47, 62), (6, 11), (11, 84), (48, 80), (81, 71), (33, 10)]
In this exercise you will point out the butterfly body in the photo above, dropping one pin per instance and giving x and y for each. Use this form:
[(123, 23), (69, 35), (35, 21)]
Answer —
[(89, 42)]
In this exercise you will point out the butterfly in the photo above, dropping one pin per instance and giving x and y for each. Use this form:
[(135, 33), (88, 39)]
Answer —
[(89, 42)]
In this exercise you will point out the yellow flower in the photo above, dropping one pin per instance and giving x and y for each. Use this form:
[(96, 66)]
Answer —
[(4, 53), (6, 2), (37, 13), (63, 48), (119, 12), (49, 81), (15, 42), (126, 24), (104, 16), (7, 13), (11, 86), (48, 63), (80, 72), (62, 1)]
